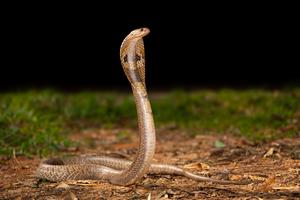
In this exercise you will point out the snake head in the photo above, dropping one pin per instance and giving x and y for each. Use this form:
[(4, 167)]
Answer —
[(139, 33)]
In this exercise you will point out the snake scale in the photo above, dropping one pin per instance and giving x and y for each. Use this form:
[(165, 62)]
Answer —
[(119, 171)]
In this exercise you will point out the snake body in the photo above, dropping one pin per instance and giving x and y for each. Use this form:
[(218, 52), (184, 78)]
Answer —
[(119, 171)]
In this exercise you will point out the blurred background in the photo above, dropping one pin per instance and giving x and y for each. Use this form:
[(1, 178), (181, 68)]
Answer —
[(206, 46)]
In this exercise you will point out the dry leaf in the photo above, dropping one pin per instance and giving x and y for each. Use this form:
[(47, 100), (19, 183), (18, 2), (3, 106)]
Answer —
[(87, 183), (165, 197), (197, 166), (267, 185), (269, 152), (293, 170), (84, 181), (236, 177), (289, 188), (149, 196), (256, 178), (63, 185)]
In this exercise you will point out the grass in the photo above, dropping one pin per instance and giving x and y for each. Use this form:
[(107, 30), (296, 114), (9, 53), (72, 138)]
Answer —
[(38, 122)]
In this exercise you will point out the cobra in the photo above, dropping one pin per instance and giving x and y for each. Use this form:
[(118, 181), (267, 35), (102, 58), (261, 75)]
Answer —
[(119, 171)]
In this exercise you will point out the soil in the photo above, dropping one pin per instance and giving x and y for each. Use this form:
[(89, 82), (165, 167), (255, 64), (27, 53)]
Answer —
[(273, 168)]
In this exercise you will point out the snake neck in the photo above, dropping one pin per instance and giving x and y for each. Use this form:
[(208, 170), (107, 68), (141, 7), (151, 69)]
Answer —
[(146, 149)]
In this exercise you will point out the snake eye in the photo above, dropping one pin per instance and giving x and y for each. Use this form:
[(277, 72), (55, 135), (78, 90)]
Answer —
[(142, 29)]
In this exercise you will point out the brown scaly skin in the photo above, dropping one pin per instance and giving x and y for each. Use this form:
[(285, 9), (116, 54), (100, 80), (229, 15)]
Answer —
[(118, 171)]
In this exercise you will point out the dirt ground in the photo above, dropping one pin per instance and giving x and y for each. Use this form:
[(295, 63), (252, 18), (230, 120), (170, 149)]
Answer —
[(273, 167)]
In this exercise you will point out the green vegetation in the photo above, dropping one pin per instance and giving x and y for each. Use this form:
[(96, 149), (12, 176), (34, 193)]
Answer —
[(37, 122)]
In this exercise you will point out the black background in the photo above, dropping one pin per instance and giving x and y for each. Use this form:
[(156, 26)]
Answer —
[(77, 47)]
